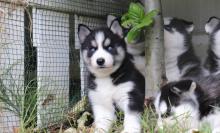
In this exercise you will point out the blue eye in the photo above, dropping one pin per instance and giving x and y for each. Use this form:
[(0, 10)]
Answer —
[(92, 49), (109, 48)]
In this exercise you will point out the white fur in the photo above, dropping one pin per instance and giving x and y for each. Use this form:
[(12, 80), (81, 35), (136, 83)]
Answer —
[(174, 46), (135, 48), (185, 116), (156, 103), (166, 20), (163, 107), (216, 47), (102, 99), (208, 28), (83, 33), (213, 120), (99, 38), (117, 29), (190, 28), (140, 64), (110, 19)]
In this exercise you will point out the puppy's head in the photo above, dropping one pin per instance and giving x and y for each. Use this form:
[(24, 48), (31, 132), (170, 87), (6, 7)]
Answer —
[(103, 49), (176, 101), (212, 25), (177, 31)]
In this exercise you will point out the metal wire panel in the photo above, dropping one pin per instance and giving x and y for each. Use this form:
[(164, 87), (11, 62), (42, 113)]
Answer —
[(40, 60), (51, 37), (11, 61), (90, 7)]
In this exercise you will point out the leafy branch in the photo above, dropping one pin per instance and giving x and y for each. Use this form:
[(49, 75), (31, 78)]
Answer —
[(136, 20)]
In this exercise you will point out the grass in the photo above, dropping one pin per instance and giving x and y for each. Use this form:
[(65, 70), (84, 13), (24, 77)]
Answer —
[(148, 123)]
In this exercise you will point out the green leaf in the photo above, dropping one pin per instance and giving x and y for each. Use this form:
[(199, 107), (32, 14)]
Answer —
[(132, 34), (125, 17), (136, 11), (128, 23), (152, 13), (136, 19), (145, 22)]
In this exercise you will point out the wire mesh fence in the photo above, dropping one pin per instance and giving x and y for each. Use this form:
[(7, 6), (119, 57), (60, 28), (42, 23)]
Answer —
[(41, 71)]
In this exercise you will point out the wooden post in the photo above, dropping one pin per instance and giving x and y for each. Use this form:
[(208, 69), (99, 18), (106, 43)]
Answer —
[(154, 50)]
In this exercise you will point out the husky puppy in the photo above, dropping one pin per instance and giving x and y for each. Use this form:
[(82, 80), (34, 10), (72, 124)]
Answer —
[(180, 59), (212, 63), (114, 80), (135, 49), (190, 103)]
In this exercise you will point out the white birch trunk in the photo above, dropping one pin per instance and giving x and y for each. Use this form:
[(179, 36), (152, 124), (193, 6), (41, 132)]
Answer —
[(154, 50)]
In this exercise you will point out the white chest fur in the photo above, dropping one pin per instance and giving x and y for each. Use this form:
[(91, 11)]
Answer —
[(174, 46), (172, 70), (108, 93)]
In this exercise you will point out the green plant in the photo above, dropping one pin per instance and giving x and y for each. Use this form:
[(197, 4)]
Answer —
[(137, 20), (22, 104)]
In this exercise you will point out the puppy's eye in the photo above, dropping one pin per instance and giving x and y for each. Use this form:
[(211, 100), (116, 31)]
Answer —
[(167, 27), (109, 48), (92, 49)]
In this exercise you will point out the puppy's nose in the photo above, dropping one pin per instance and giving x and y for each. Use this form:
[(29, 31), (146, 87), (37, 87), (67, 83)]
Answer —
[(100, 61)]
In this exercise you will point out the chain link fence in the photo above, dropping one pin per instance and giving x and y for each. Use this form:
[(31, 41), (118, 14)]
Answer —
[(42, 74)]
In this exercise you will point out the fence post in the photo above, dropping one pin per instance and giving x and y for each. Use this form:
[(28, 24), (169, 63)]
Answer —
[(154, 49)]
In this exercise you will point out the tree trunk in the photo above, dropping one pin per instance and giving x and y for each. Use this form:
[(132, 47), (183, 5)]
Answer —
[(154, 49)]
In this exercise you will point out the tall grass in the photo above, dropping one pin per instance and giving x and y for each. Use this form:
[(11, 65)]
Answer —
[(21, 101)]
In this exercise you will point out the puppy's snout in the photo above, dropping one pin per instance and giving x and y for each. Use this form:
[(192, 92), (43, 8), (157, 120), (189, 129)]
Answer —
[(100, 61)]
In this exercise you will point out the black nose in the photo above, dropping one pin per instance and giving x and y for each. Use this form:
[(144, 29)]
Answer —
[(100, 61)]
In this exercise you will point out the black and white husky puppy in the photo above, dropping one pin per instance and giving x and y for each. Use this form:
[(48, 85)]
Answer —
[(180, 59), (190, 104), (114, 80), (136, 48), (212, 63)]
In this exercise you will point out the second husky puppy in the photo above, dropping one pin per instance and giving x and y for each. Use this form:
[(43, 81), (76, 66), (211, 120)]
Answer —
[(180, 59), (190, 103)]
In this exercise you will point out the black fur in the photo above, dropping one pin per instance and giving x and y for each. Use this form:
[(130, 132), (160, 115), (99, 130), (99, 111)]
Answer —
[(180, 25), (189, 58)]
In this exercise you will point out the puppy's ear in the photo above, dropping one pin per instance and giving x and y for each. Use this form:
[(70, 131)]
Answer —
[(190, 27), (176, 90), (167, 20), (83, 32), (110, 19), (192, 87), (116, 28), (211, 24)]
